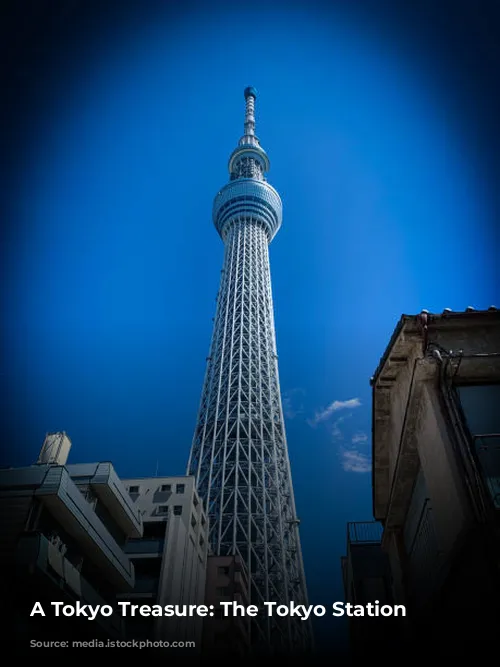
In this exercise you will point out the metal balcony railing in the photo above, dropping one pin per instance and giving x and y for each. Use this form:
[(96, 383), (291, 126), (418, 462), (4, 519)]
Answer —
[(364, 532)]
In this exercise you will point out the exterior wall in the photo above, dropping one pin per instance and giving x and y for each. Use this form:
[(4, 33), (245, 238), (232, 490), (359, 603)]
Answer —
[(445, 483), (181, 553), (398, 404), (55, 546), (394, 546), (226, 581), (441, 528)]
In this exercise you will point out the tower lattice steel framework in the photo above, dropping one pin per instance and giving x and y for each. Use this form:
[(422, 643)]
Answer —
[(239, 454)]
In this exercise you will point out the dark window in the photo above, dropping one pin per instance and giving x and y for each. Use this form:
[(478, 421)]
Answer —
[(193, 520), (177, 510), (153, 529), (165, 487), (147, 567), (162, 509), (133, 489), (147, 575), (223, 570), (180, 488), (481, 410)]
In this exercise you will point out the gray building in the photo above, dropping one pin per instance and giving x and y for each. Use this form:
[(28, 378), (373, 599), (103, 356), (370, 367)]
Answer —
[(227, 581), (63, 530), (170, 558), (436, 474)]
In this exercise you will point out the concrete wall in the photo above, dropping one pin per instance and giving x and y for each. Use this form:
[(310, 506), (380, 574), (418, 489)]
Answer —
[(183, 566), (431, 514), (226, 572)]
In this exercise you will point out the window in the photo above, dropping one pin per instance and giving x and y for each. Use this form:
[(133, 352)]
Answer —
[(195, 500), (153, 529), (202, 541), (193, 520), (133, 489), (177, 510), (147, 567), (203, 520), (223, 570), (479, 404), (165, 487), (162, 509), (180, 488)]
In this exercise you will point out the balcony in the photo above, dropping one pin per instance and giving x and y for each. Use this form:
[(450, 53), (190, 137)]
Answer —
[(364, 532), (36, 555), (58, 493), (104, 481)]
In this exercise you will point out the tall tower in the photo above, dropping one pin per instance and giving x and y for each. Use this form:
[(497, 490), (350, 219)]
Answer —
[(239, 454)]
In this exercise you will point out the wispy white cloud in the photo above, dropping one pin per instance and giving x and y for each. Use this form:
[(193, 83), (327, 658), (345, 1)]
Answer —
[(327, 412), (336, 431), (355, 461), (292, 402), (359, 438)]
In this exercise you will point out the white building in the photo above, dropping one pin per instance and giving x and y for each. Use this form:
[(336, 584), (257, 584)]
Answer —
[(170, 559)]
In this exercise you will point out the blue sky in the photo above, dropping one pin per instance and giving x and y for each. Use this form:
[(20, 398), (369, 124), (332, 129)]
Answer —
[(113, 262)]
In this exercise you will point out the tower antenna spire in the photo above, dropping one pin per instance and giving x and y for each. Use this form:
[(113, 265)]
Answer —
[(250, 96)]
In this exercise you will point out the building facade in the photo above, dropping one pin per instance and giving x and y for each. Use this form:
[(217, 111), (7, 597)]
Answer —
[(239, 454), (224, 633), (63, 531), (436, 473), (170, 558)]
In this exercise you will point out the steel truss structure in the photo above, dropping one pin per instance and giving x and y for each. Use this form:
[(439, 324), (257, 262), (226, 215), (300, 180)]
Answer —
[(239, 453)]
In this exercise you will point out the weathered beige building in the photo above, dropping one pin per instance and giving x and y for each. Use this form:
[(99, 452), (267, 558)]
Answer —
[(436, 473)]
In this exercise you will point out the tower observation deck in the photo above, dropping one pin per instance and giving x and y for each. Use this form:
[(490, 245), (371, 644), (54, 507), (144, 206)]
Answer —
[(239, 453)]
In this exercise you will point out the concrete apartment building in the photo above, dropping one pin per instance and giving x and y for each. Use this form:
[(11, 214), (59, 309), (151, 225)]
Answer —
[(63, 528), (227, 581), (436, 474), (170, 558)]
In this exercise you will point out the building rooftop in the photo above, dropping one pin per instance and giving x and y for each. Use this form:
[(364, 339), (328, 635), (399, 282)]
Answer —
[(447, 314)]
